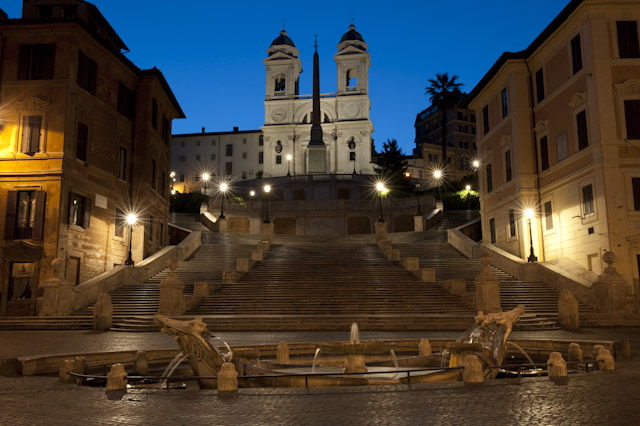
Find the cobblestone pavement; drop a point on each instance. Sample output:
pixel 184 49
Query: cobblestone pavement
pixel 597 398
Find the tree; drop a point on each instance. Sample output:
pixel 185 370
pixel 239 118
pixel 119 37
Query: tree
pixel 444 93
pixel 392 164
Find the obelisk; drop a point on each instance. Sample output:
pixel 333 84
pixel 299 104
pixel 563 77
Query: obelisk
pixel 317 150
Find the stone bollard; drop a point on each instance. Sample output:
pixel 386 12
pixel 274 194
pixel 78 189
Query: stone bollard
pixel 264 246
pixel 201 289
pixel 243 264
pixel 426 275
pixel 141 364
pixel 80 365
pixel 424 348
pixel 411 263
pixel 622 348
pixel 171 292
pixel 595 350
pixel 556 365
pixel 381 231
pixel 612 291
pixel 257 255
pixel 455 286
pixel 418 224
pixel 574 353
pixel 385 245
pixel 266 232
pixel 117 378
pixel 227 378
pixel 230 276
pixel 392 254
pixel 487 289
pixel 568 310
pixel 283 352
pixel 604 360
pixel 472 372
pixel 103 313
pixel 65 369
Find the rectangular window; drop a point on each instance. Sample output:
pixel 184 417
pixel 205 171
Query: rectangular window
pixel 512 223
pixel 635 185
pixel 36 61
pixel 260 157
pixel 197 157
pixel 588 207
pixel 628 46
pixel 82 140
pixel 548 216
pixel 153 174
pixel 228 168
pixel 126 101
pixel 544 153
pixel 213 157
pixel 21 215
pixel 278 159
pixel 69 11
pixel 492 230
pixel 505 104
pixel 507 162
pixel 154 114
pixel 150 235
pixel 489 178
pixel 583 136
pixel 213 143
pixel 485 119
pixel 182 158
pixel 45 11
pixel 181 177
pixel 122 164
pixel 31 134
pixel 632 118
pixel 87 73
pixel 119 224
pixel 79 210
pixel 244 155
pixel 352 156
pixel 229 150
pixel 576 54
pixel 562 146
pixel 540 85
pixel 261 140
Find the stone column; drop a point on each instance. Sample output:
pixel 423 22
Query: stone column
pixel 171 292
pixel 487 287
pixel 568 310
pixel 612 292
pixel 381 231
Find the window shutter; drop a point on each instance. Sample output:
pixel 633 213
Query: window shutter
pixel 70 206
pixel 87 213
pixel 23 62
pixel 10 216
pixel 38 224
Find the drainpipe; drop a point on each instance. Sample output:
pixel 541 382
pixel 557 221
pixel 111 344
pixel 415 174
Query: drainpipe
pixel 535 153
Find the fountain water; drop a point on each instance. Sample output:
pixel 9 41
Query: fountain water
pixel 315 359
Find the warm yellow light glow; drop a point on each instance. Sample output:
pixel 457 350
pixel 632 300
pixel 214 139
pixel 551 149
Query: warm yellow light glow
pixel 468 187
pixel 173 192
pixel 132 219
pixel 407 174
pixel 289 157
pixel 437 174
pixel 172 174
pixel 528 213
pixel 380 187
pixel 224 187
pixel 267 188
pixel 252 193
pixel 476 163
pixel 205 176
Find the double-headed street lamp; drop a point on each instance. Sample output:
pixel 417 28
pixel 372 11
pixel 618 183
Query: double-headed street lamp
pixel 528 213
pixel 132 219
pixel 223 189
pixel 381 189
pixel 267 190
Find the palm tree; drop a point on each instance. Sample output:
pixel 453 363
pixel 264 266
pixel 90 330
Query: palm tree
pixel 444 93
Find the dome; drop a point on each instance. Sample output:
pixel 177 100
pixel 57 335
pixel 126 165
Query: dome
pixel 283 39
pixel 352 34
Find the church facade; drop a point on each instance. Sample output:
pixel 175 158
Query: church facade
pixel 344 115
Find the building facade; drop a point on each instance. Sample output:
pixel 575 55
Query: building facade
pixel 559 133
pixel 84 141
pixel 344 115
pixel 461 141
pixel 225 156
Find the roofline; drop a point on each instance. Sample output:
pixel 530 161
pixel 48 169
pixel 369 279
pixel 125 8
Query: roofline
pixel 216 133
pixel 106 23
pixel 163 82
pixel 523 54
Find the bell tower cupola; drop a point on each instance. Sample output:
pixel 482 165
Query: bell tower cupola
pixel 283 68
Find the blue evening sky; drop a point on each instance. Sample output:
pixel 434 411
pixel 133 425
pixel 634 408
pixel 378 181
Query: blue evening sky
pixel 211 52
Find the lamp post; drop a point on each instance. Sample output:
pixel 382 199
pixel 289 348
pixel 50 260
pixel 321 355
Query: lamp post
pixel 205 179
pixel 468 188
pixel 437 175
pixel 223 189
pixel 289 158
pixel 529 215
pixel 131 221
pixel 267 190
pixel 380 188
pixel 476 164
pixel 252 194
pixel 419 193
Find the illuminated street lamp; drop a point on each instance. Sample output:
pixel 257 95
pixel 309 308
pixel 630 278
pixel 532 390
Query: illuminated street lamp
pixel 528 213
pixel 289 158
pixel 223 189
pixel 267 190
pixel 468 188
pixel 205 179
pixel 476 164
pixel 437 175
pixel 253 194
pixel 381 189
pixel 132 219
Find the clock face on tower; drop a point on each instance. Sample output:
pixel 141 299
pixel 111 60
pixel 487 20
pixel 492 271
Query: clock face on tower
pixel 278 114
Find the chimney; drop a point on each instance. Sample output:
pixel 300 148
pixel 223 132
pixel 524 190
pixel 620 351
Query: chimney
pixel 235 129
pixel 202 129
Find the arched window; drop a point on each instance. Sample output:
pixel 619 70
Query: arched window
pixel 280 84
pixel 352 80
